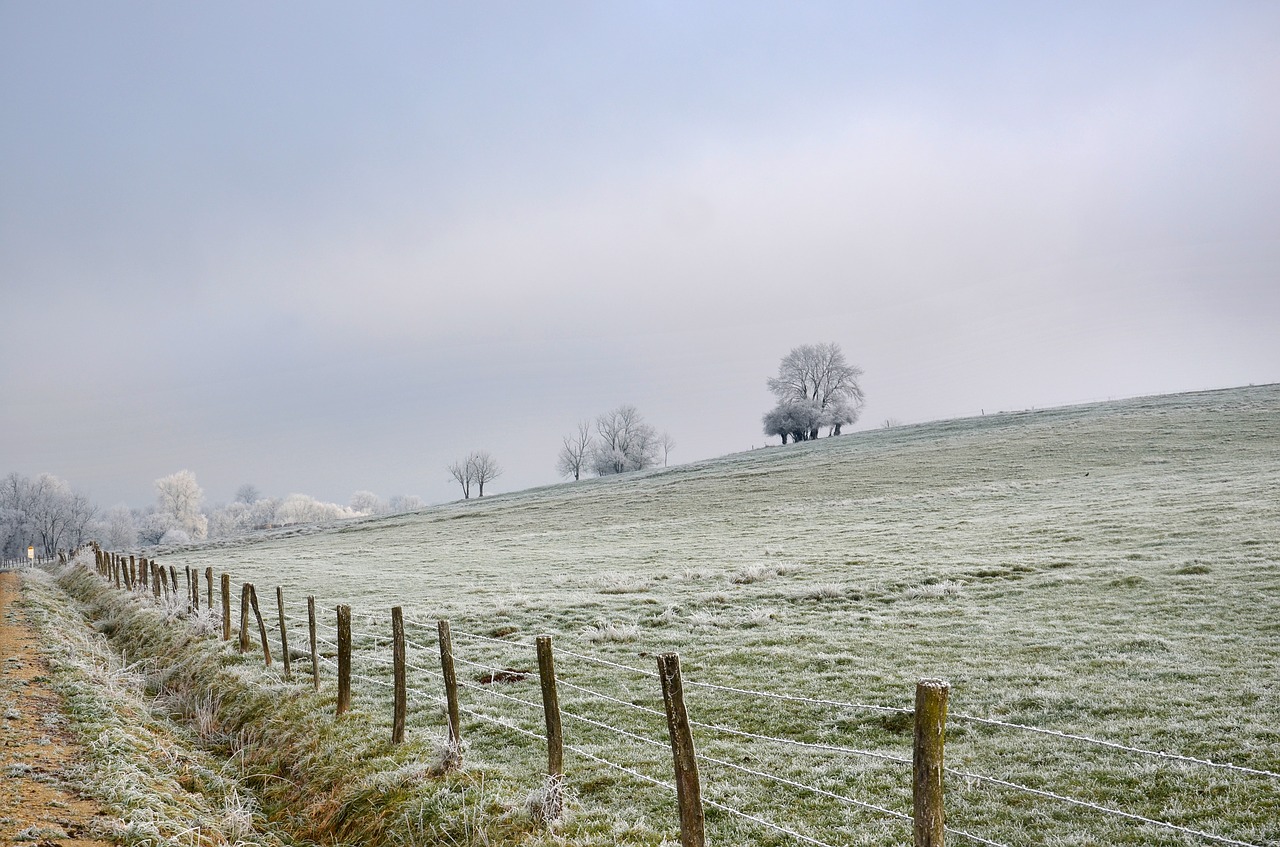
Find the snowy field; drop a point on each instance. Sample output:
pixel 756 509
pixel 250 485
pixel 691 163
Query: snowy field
pixel 1110 570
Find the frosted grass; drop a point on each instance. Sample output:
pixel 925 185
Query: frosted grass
pixel 1109 570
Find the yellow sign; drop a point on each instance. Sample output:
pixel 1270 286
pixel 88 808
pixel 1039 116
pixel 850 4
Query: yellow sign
pixel 31 552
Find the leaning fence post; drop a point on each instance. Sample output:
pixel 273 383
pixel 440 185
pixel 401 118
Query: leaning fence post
pixel 555 736
pixel 173 578
pixel 244 617
pixel 315 655
pixel 926 769
pixel 450 694
pixel 284 637
pixel 397 662
pixel 344 658
pixel 226 606
pixel 688 790
pixel 262 627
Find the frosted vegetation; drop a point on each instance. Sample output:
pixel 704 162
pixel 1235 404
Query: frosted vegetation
pixel 1109 570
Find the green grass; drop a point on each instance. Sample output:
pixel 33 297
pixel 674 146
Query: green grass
pixel 1109 570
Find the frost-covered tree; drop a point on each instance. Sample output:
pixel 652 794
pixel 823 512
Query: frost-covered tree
pixel 178 498
pixel 623 442
pixel 794 419
pixel 817 374
pixel 44 511
pixel 119 530
pixel 248 494
pixel 303 508
pixel 401 503
pixel 575 452
pixel 368 503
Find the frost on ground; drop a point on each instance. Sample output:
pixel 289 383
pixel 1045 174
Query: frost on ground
pixel 1110 570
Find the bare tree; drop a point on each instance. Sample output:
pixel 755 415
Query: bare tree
pixel 248 494
pixel 575 452
pixel 477 469
pixel 43 511
pixel 624 442
pixel 461 472
pixel 820 374
pixel 667 444
pixel 484 468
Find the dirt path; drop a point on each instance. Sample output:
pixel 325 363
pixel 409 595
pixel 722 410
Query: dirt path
pixel 34 808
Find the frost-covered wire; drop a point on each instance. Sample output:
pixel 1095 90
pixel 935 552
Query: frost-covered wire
pixel 1098 808
pixel 768 824
pixel 561 651
pixel 490 639
pixel 829 748
pixel 502 723
pixel 635 773
pixel 821 791
pixel 796 698
pixel 1114 745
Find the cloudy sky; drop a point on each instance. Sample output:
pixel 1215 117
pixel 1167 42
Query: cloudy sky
pixel 324 247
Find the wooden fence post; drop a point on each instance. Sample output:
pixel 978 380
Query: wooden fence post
pixel 344 658
pixel 164 579
pixel 688 789
pixel 193 587
pixel 554 803
pixel 244 617
pixel 115 568
pixel 155 578
pixel 315 655
pixel 284 636
pixel 262 626
pixel 133 573
pixel 226 606
pixel 173 579
pixel 926 767
pixel 450 694
pixel 208 578
pixel 397 662
pixel 187 569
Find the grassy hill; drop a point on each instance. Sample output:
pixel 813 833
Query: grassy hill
pixel 1110 570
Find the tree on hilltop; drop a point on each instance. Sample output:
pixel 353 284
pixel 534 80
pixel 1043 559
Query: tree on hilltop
pixel 815 387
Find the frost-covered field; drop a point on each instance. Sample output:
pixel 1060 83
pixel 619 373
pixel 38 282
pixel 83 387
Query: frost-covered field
pixel 1110 570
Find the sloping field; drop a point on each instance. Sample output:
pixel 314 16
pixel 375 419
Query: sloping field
pixel 1110 570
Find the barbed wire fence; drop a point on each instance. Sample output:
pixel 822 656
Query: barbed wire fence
pixel 615 725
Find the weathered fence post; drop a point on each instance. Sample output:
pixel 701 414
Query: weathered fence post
pixel 193 588
pixel 688 789
pixel 173 579
pixel 155 578
pixel 926 766
pixel 133 572
pixel 187 570
pixel 226 606
pixel 244 617
pixel 115 568
pixel 397 662
pixel 344 658
pixel 164 579
pixel 450 694
pixel 315 655
pixel 284 636
pixel 208 578
pixel 145 572
pixel 554 803
pixel 262 626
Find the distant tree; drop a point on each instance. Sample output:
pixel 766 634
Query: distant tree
pixel 44 511
pixel 478 468
pixel 667 444
pixel 119 531
pixel 368 503
pixel 890 423
pixel 484 468
pixel 461 473
pixel 401 503
pixel 575 452
pixel 178 499
pixel 795 419
pixel 818 374
pixel 623 442
pixel 303 508
pixel 248 494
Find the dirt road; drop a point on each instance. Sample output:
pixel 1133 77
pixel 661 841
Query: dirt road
pixel 34 808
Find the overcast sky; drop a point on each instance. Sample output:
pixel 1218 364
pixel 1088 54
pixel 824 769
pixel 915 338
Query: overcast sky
pixel 324 247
